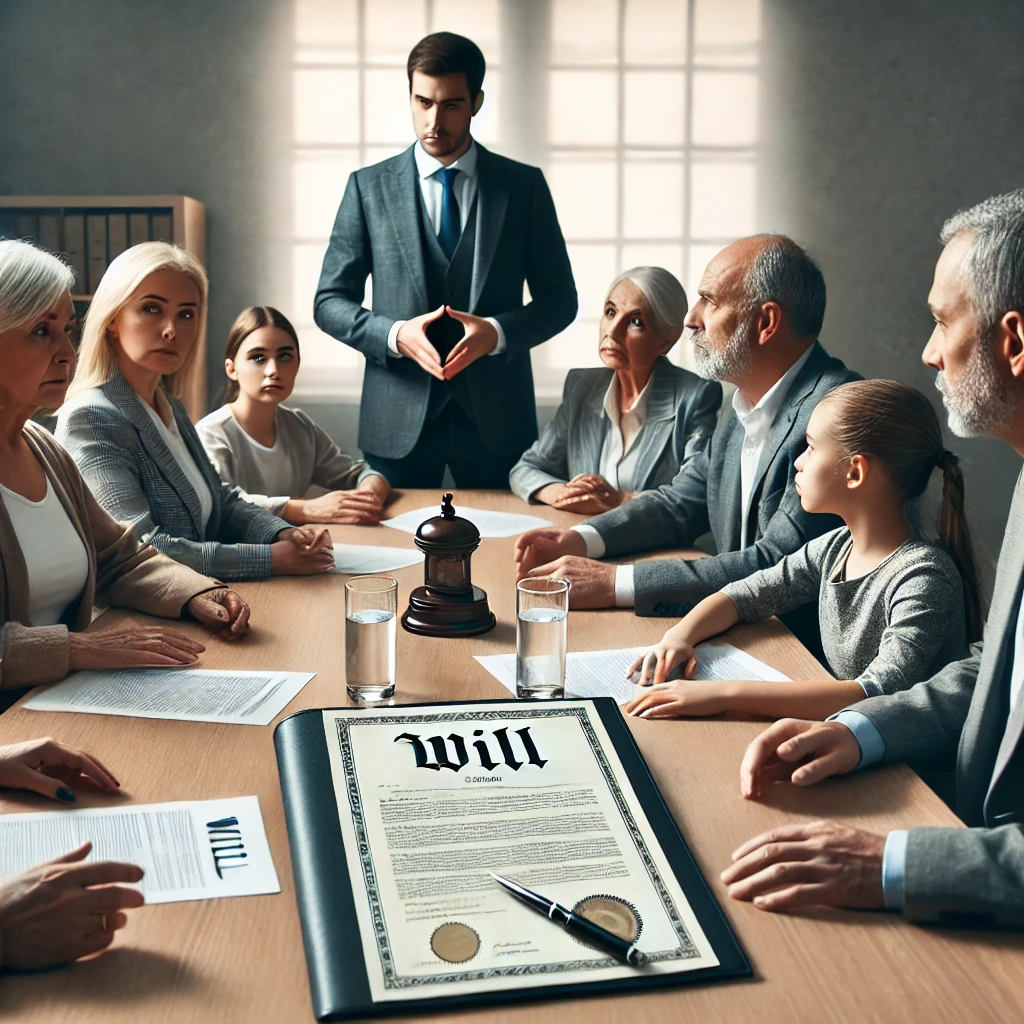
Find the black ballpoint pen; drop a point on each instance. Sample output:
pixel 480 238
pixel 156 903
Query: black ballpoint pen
pixel 621 949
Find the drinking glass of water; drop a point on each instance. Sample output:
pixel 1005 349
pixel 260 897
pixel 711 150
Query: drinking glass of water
pixel 371 606
pixel 542 610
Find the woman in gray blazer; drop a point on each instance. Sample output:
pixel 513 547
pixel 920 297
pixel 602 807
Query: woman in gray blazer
pixel 134 443
pixel 629 426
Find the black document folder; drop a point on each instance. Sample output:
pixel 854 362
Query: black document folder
pixel 334 953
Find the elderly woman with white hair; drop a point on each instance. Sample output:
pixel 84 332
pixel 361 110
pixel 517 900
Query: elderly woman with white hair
pixel 129 433
pixel 60 552
pixel 631 425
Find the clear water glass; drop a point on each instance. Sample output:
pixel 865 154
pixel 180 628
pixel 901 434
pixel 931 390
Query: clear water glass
pixel 542 612
pixel 371 614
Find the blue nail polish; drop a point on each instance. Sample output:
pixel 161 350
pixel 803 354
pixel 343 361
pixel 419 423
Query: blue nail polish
pixel 66 795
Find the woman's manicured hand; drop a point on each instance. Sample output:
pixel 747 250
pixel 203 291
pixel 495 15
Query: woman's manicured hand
pixel 301 552
pixel 48 767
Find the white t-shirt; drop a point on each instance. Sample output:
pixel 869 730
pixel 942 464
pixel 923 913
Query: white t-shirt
pixel 54 554
pixel 171 437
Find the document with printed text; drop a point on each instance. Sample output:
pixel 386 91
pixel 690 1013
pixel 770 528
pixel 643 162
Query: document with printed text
pixel 187 695
pixel 603 673
pixel 432 800
pixel 490 524
pixel 189 850
pixel 355 559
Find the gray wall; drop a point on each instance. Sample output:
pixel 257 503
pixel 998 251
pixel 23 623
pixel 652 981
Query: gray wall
pixel 879 119
pixel 128 97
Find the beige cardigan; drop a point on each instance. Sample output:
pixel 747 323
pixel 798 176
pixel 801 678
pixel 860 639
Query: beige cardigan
pixel 122 573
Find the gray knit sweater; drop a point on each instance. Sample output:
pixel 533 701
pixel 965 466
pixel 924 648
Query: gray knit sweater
pixel 890 629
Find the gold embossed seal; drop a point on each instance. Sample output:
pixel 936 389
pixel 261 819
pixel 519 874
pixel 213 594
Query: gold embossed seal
pixel 454 942
pixel 613 914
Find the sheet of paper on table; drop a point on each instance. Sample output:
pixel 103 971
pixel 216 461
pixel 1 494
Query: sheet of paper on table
pixel 557 812
pixel 189 850
pixel 490 524
pixel 187 695
pixel 354 559
pixel 603 673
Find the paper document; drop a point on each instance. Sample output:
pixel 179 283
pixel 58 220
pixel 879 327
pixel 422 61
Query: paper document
pixel 431 800
pixel 603 673
pixel 490 524
pixel 354 559
pixel 187 695
pixel 190 850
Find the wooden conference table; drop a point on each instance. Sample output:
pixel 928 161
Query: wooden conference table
pixel 242 959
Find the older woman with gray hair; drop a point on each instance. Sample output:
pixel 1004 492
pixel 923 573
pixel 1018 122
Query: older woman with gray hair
pixel 629 426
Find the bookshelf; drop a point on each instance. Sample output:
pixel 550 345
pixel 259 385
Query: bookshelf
pixel 89 231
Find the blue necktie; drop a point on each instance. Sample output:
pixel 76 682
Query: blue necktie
pixel 451 226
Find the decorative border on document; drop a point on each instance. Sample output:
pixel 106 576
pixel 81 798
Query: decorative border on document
pixel 686 949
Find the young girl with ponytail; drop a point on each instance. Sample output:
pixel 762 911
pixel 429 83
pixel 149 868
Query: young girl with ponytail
pixel 893 608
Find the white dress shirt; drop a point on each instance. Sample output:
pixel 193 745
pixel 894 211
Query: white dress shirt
pixel 432 191
pixel 171 437
pixel 618 453
pixel 756 422
pixel 54 554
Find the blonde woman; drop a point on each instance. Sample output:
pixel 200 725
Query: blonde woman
pixel 127 430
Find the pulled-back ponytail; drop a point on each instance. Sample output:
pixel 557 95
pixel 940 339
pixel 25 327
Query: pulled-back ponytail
pixel 896 424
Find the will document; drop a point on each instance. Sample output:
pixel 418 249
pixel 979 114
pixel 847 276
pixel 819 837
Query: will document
pixel 432 800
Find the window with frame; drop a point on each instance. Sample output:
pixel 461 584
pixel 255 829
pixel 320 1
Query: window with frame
pixel 642 113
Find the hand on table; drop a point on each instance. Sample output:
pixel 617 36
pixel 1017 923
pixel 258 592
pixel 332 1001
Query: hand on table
pixel 223 611
pixel 815 863
pixel 537 547
pixel 48 767
pixel 681 699
pixel 587 494
pixel 353 508
pixel 479 340
pixel 64 909
pixel 131 646
pixel 593 582
pixel 800 752
pixel 413 343
pixel 673 654
pixel 301 552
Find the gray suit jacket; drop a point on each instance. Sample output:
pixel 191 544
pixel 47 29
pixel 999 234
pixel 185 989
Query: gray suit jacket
pixel 682 411
pixel 132 474
pixel 705 494
pixel 972 876
pixel 377 231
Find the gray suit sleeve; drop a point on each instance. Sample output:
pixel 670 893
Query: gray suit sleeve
pixel 926 721
pixel 970 877
pixel 338 308
pixel 670 586
pixel 673 515
pixel 553 301
pixel 103 453
pixel 546 461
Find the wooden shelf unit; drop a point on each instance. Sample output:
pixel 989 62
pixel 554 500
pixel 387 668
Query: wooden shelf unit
pixel 169 218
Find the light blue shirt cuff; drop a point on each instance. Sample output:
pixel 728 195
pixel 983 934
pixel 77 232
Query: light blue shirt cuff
pixel 593 540
pixel 502 344
pixel 894 864
pixel 869 739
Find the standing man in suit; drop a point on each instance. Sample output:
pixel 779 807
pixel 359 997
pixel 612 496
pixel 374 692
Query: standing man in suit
pixel 973 709
pixel 756 322
pixel 450 233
